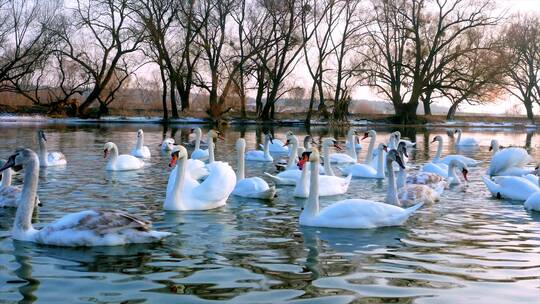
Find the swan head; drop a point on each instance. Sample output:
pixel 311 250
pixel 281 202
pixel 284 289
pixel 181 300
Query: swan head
pixel 393 156
pixel 370 133
pixel 382 147
pixel 177 154
pixel 461 166
pixel 215 134
pixel 291 138
pixel 19 159
pixel 269 137
pixel 311 156
pixel 402 149
pixel 308 141
pixel 457 131
pixel 197 131
pixel 107 148
pixel 493 145
pixel 140 133
pixel 331 142
pixel 41 135
pixel 437 138
pixel 240 144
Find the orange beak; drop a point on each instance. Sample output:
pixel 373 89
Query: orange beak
pixel 173 160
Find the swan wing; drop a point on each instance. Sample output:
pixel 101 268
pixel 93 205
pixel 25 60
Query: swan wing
pixel 200 154
pixel 341 158
pixel 218 185
pixel 333 185
pixel 359 170
pixel 508 158
pixel 128 162
pixel 510 187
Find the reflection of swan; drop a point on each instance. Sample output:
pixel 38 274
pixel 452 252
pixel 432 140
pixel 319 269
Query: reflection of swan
pixel 85 228
pixel 199 153
pixel 367 171
pixel 263 156
pixel 509 161
pixel 122 162
pixel 510 187
pixel 48 159
pixel 188 194
pixel 352 213
pixel 140 149
pixel 467 141
pixel 253 187
pixel 9 195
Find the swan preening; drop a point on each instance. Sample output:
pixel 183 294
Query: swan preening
pixel 48 159
pixel 85 228
pixel 122 162
pixel 140 150
pixel 350 213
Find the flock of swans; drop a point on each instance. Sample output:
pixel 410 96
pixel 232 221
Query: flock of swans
pixel 200 182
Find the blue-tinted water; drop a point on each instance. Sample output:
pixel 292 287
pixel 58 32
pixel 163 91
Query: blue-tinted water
pixel 468 247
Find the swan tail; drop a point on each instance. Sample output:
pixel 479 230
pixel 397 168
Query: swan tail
pixel 269 194
pixel 403 216
pixel 412 209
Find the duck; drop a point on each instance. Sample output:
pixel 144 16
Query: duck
pixel 276 146
pixel 99 227
pixel 508 162
pixel 122 162
pixel 329 185
pixel 199 153
pixel 367 171
pixel 510 187
pixel 253 187
pixel 140 150
pixel 409 192
pixel 533 201
pixel 48 159
pixel 350 156
pixel 261 156
pixel 10 195
pixel 466 141
pixel 349 213
pixel 187 193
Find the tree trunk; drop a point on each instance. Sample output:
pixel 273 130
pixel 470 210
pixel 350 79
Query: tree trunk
pixel 311 102
pixel 89 101
pixel 529 108
pixel 452 111
pixel 426 101
pixel 164 96
pixel 406 112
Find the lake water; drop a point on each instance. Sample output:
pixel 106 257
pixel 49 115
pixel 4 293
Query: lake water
pixel 466 248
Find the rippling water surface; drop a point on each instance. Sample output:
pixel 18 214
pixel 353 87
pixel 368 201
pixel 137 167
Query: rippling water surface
pixel 468 247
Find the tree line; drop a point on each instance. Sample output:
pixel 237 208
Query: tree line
pixel 411 52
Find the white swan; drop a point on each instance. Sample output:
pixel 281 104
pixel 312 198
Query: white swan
pixel 253 187
pixel 122 162
pixel 9 195
pixel 263 156
pixel 48 159
pixel 199 153
pixel 328 185
pixel 188 194
pixel 509 161
pixel 510 187
pixel 408 143
pixel 292 143
pixel 276 146
pixel 350 213
pixel 533 201
pixel 437 160
pixel 85 228
pixel 367 171
pixel 350 156
pixel 466 141
pixel 140 150
pixel 353 141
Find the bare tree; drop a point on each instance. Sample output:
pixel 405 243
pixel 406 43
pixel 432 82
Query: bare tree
pixel 521 50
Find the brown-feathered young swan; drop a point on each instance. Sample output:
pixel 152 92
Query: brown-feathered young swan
pixel 84 228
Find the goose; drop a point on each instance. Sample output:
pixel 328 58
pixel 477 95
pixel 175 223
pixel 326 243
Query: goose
pixel 350 156
pixel 350 213
pixel 510 161
pixel 262 156
pixel 510 187
pixel 353 141
pixel 48 159
pixel 441 162
pixel 328 185
pixel 9 195
pixel 253 187
pixel 467 141
pixel 84 228
pixel 276 146
pixel 122 162
pixel 199 153
pixel 187 193
pixel 167 144
pixel 367 171
pixel 533 201
pixel 140 150
pixel 411 193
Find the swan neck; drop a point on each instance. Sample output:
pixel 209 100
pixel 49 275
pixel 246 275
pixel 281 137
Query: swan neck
pixel 369 154
pixel 113 154
pixel 380 164
pixel 351 147
pixel 266 147
pixel 6 178
pixel 197 139
pixel 439 150
pixel 42 151
pixel 391 195
pixel 240 173
pixel 312 205
pixel 401 178
pixel 210 141
pixel 174 201
pixel 459 137
pixel 495 148
pixel 23 216
pixel 327 167
pixel 452 177
pixel 293 154
pixel 140 140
